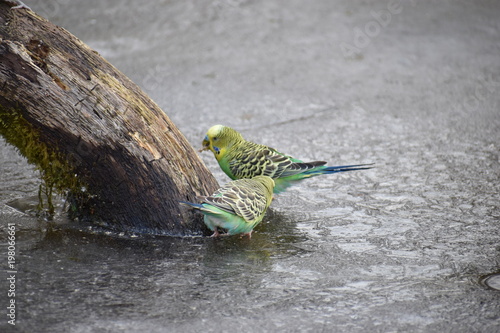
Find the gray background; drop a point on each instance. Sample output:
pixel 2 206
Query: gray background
pixel 397 248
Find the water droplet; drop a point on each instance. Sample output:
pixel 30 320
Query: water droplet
pixel 491 280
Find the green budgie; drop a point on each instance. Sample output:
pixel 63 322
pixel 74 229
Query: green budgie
pixel 239 159
pixel 238 206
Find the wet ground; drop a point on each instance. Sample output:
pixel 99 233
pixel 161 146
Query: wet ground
pixel 411 86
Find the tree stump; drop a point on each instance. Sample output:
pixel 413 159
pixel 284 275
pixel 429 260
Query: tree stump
pixel 93 133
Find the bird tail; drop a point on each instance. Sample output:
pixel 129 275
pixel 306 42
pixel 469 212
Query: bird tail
pixel 340 168
pixel 200 207
pixel 191 204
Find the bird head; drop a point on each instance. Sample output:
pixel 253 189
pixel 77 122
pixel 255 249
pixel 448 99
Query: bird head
pixel 219 139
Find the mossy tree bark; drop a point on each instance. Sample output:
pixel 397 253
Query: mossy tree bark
pixel 93 133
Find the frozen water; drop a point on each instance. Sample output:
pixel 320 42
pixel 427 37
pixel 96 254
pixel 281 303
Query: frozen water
pixel 401 247
pixel 492 281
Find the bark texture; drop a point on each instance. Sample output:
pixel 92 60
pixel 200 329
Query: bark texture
pixel 133 164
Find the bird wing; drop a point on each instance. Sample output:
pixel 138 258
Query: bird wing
pixel 243 197
pixel 255 160
pixel 301 167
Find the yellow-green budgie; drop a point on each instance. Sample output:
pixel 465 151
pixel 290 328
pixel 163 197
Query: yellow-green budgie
pixel 240 158
pixel 238 206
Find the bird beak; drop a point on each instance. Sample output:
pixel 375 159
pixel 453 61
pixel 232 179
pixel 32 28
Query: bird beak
pixel 206 145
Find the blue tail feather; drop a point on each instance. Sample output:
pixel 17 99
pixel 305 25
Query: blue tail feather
pixel 342 168
pixel 281 184
pixel 206 209
pixel 194 205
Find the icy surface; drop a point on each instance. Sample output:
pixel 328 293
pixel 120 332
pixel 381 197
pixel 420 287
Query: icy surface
pixel 398 248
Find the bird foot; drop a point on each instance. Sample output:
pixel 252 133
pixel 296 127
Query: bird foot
pixel 217 234
pixel 249 234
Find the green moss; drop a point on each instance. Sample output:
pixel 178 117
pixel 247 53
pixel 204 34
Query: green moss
pixel 58 176
pixel 140 107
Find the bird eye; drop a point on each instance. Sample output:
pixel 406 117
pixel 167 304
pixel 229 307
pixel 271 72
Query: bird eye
pixel 215 138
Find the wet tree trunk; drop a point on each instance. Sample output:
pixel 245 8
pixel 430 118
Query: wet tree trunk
pixel 93 133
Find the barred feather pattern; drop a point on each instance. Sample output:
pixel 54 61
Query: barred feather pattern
pixel 247 198
pixel 248 159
